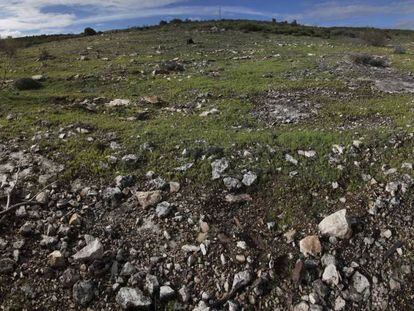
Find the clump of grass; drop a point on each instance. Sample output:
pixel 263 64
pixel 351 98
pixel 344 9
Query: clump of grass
pixel 374 38
pixel 369 60
pixel 45 55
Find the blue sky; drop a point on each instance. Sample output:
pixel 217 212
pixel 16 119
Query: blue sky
pixel 27 17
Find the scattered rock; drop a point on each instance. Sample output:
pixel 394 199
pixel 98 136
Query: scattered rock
pixel 310 245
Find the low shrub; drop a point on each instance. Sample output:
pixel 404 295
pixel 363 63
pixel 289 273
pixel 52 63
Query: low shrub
pixel 27 84
pixel 369 60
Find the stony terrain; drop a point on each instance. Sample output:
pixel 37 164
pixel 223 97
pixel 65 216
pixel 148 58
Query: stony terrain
pixel 246 171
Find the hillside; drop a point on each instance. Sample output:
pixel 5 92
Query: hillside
pixel 208 166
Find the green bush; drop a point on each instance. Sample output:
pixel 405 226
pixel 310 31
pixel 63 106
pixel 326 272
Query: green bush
pixel 89 31
pixel 27 84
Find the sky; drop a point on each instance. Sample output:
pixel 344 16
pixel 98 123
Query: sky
pixel 33 17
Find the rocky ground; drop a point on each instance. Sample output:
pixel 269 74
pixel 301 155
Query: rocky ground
pixel 213 194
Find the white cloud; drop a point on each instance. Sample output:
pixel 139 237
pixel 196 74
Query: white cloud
pixel 29 16
pixel 342 10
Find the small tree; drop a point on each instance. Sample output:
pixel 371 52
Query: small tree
pixel 8 51
pixel 89 31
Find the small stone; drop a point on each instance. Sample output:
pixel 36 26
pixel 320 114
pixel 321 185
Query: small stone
pixel 231 183
pixel 130 159
pixel 240 198
pixel 240 258
pixel 340 304
pixel 328 259
pixel 75 220
pixel 249 179
pixel 394 285
pixel 174 187
pixel 241 280
pixel 129 298
pixel 149 198
pixel 56 259
pixel 290 236
pixel 83 292
pixel 218 167
pixel 118 103
pixel 42 197
pixel 291 159
pixel 310 245
pixel 386 234
pixel 360 282
pixel 302 306
pixel 93 250
pixel 184 294
pixel 163 209
pixel 204 227
pixel 336 225
pixel 331 275
pixel 128 269
pixel 166 293
pixel 48 241
pixel 151 284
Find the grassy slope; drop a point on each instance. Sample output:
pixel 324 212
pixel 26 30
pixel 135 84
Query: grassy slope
pixel 234 129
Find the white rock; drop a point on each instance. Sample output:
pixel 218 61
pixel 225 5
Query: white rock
pixel 310 245
pixel 340 304
pixel 360 282
pixel 129 298
pixel 149 198
pixel 166 292
pixel 331 275
pixel 336 225
pixel 56 259
pixel 93 250
pixel 291 159
pixel 118 103
pixel 249 179
pixel 218 167
pixel 241 279
pixel 302 306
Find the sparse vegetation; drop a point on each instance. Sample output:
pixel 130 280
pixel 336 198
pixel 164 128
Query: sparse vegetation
pixel 375 38
pixel 369 60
